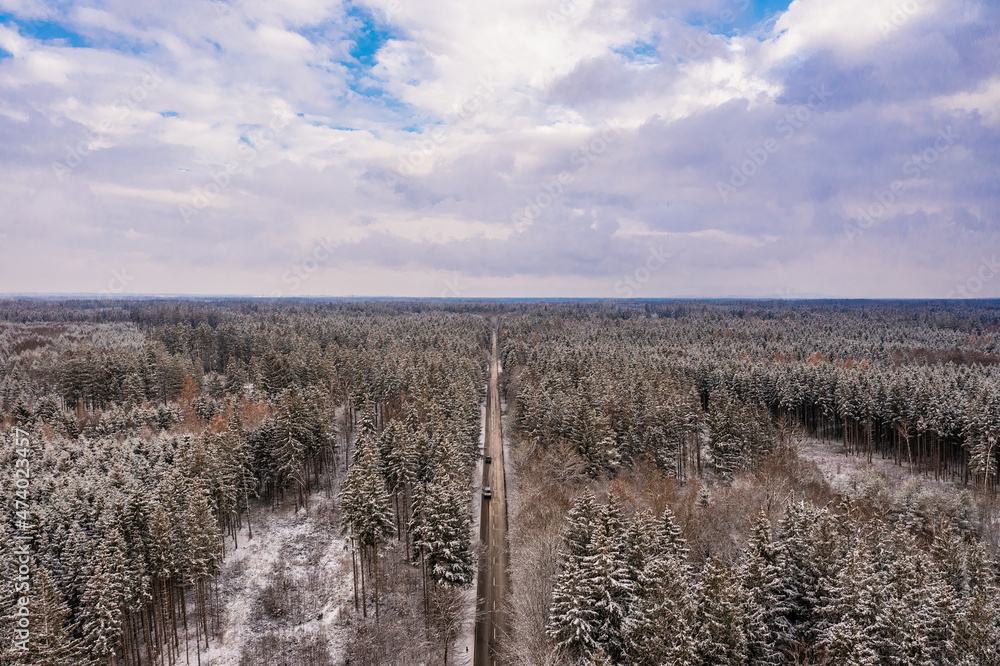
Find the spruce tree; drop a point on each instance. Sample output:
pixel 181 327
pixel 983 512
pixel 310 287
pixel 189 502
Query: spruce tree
pixel 719 638
pixel 51 642
pixel 761 582
pixel 659 627
pixel 606 571
pixel 573 620
pixel 366 513
pixel 852 611
pixel 104 599
pixel 444 533
pixel 580 528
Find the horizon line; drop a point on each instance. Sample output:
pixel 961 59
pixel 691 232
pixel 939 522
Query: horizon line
pixel 99 296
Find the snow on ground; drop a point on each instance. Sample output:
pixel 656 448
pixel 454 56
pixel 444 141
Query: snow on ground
pixel 466 642
pixel 292 581
pixel 462 653
pixel 841 470
pixel 851 475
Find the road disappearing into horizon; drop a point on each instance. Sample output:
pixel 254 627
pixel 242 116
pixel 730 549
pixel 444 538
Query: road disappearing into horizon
pixel 491 619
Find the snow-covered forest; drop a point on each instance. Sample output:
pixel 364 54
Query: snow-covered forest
pixel 687 516
pixel 164 437
pixel 295 482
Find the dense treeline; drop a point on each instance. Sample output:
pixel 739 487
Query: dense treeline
pixel 156 437
pixel 909 382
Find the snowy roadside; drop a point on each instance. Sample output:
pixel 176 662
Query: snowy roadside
pixel 466 641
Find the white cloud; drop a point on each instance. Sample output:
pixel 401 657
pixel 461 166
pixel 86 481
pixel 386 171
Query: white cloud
pixel 12 42
pixel 48 67
pixel 481 106
pixel 283 43
pixel 632 229
pixel 985 100
pixel 32 9
pixel 848 27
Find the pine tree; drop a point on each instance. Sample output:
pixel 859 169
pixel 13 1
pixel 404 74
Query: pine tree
pixel 573 621
pixel 599 658
pixel 444 533
pixel 593 592
pixel 580 528
pixel 851 612
pixel 640 543
pixel 659 628
pixel 719 620
pixel 607 570
pixel 925 604
pixel 804 550
pixel 292 438
pixel 738 433
pixel 9 653
pixel 760 580
pixel 366 514
pixel 202 548
pixel 977 625
pixel 163 567
pixel 670 537
pixel 51 643
pixel 104 599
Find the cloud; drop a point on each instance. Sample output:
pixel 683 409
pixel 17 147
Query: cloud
pixel 536 146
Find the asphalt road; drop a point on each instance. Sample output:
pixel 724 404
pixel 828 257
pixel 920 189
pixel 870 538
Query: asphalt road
pixel 491 620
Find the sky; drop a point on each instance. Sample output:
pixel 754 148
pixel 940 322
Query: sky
pixel 525 148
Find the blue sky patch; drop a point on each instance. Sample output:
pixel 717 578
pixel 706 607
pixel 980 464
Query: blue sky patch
pixel 764 9
pixel 323 123
pixel 45 31
pixel 738 16
pixel 374 93
pixel 639 51
pixel 368 37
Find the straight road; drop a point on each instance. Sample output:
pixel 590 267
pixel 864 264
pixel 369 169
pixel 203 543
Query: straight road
pixel 491 620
